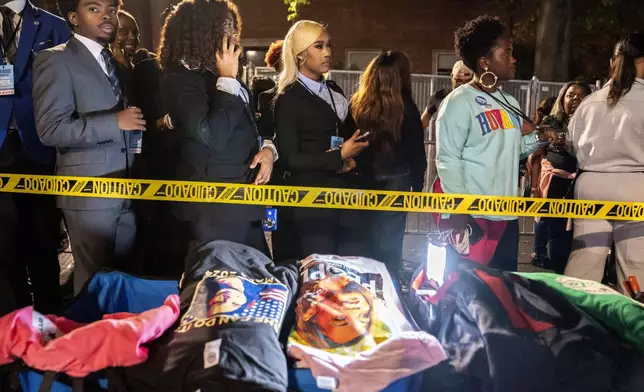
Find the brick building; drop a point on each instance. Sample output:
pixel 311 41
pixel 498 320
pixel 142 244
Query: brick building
pixel 359 28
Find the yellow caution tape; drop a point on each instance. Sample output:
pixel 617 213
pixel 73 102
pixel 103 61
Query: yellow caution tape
pixel 269 195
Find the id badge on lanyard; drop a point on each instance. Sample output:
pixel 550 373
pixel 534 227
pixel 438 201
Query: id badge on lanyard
pixel 7 82
pixel 336 142
pixel 7 86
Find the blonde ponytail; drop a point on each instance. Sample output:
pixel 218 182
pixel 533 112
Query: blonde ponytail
pixel 299 37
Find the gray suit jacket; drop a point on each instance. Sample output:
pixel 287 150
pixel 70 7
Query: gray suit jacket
pixel 75 109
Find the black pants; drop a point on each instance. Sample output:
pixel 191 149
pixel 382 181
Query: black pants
pixel 551 233
pixel 29 235
pixel 284 239
pixel 385 231
pixel 506 256
pixel 195 224
pixel 327 231
pixel 154 221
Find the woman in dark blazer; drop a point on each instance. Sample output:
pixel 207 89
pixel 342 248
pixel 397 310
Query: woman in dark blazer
pixel 216 134
pixel 396 159
pixel 316 145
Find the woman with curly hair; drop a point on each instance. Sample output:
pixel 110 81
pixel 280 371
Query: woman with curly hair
pixel 480 131
pixel 209 108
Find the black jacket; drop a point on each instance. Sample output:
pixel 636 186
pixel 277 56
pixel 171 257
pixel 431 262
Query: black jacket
pixel 159 156
pixel 216 130
pixel 266 117
pixel 488 320
pixel 304 126
pixel 146 76
pixel 216 137
pixel 410 157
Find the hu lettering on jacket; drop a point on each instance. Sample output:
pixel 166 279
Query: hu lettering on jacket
pixel 497 120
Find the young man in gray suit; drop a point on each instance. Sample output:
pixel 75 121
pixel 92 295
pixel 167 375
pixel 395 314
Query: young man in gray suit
pixel 80 106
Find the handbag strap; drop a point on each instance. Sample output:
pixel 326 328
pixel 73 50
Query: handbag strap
pixel 78 385
pixel 48 379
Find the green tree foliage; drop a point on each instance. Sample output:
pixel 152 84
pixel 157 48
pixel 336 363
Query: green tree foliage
pixel 596 26
pixel 294 6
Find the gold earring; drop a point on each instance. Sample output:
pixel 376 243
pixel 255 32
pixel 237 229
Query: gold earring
pixel 496 79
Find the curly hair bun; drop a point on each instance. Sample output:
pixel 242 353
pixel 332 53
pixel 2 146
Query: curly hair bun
pixel 477 38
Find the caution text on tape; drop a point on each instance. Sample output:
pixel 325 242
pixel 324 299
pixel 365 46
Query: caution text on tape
pixel 268 195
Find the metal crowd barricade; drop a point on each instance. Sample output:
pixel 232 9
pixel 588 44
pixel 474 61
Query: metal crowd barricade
pixel 529 93
pixel 419 223
pixel 347 80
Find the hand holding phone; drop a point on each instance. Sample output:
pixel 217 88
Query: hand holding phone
pixel 352 147
pixel 363 136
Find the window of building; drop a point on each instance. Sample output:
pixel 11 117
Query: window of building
pixel 254 50
pixel 444 61
pixel 255 56
pixel 358 59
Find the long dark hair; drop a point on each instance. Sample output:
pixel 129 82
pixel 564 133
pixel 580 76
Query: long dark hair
pixel 378 106
pixel 623 70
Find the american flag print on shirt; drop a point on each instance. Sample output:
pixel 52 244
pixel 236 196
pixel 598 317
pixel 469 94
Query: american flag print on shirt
pixel 231 298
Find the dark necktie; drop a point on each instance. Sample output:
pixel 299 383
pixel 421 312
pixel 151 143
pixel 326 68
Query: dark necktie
pixel 110 65
pixel 8 37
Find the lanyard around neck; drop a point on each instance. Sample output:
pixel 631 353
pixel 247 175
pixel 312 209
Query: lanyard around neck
pixel 507 105
pixel 335 110
pixel 7 44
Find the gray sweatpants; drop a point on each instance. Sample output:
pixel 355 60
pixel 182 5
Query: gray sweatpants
pixel 593 238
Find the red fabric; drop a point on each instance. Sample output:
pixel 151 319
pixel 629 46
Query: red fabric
pixel 517 316
pixel 483 251
pixel 115 341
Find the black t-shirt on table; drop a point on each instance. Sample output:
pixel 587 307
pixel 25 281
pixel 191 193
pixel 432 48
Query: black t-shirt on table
pixel 234 301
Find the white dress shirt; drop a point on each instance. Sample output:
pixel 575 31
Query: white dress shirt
pixel 17 6
pixel 95 49
pixel 335 100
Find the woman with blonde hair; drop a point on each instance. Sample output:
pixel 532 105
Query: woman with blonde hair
pixel 316 143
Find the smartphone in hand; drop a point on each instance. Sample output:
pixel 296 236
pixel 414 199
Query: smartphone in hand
pixel 363 137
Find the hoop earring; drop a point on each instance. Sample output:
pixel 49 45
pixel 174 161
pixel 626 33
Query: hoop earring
pixel 496 79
